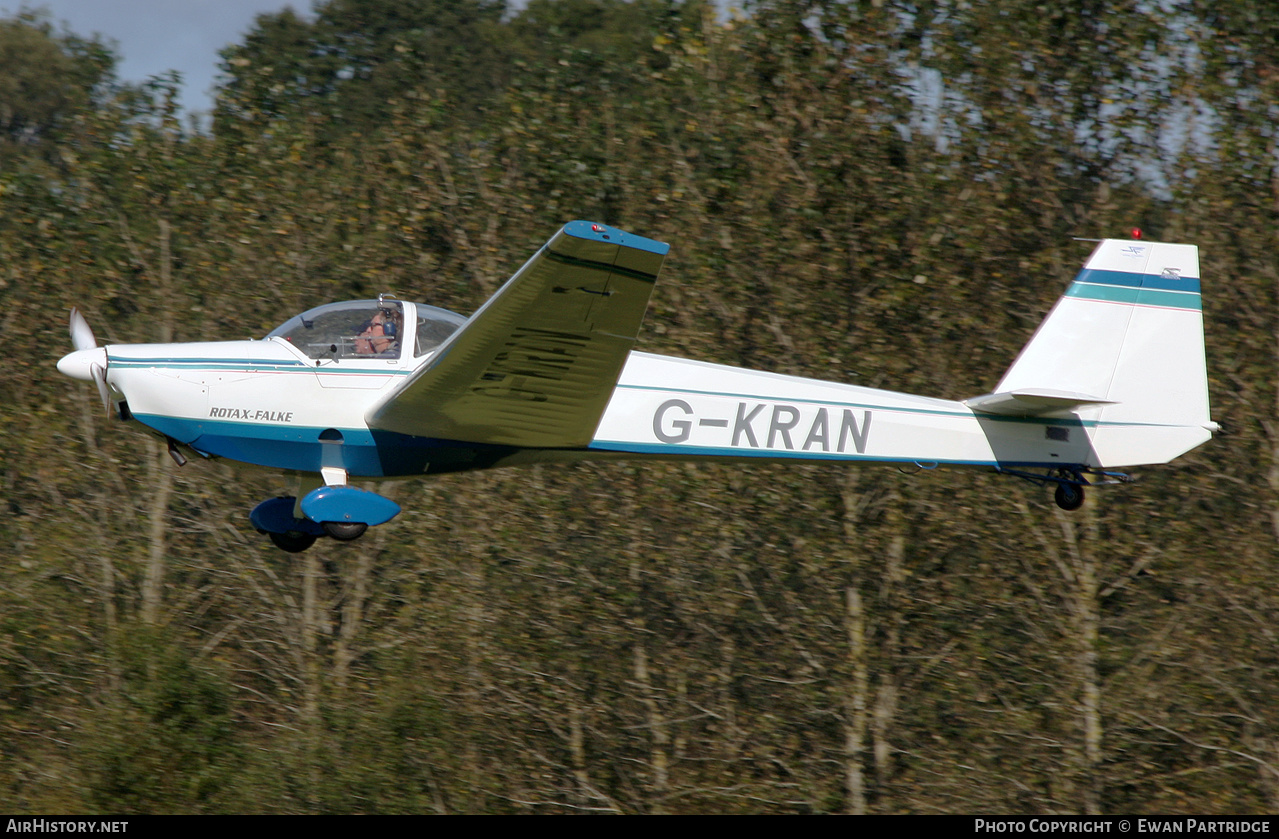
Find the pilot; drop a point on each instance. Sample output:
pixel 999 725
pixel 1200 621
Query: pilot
pixel 381 335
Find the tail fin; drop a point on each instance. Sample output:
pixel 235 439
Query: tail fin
pixel 1125 344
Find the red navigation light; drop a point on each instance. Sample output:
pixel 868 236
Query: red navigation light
pixel 598 228
pixel 1136 232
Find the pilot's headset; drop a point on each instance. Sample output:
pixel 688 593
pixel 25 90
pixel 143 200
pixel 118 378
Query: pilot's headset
pixel 390 318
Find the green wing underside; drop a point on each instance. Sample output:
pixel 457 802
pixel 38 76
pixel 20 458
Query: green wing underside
pixel 536 365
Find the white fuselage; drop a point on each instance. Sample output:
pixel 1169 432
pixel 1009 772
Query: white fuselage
pixel 265 402
pixel 676 407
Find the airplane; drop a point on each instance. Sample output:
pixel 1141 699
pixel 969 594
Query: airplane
pixel 545 372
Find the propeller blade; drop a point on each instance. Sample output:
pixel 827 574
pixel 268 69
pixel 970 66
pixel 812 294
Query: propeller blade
pixel 81 335
pixel 100 379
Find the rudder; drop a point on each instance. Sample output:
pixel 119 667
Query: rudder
pixel 1128 333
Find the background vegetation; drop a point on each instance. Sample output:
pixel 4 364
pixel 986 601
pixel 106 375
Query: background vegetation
pixel 873 191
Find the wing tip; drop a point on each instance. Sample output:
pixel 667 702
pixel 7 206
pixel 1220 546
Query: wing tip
pixel 593 231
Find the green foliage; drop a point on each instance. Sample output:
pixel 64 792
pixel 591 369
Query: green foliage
pixel 164 740
pixel 46 79
pixel 357 57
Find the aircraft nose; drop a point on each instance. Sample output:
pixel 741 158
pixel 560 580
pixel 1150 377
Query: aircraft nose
pixel 79 364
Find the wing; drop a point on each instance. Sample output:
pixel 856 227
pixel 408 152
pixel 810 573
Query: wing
pixel 536 365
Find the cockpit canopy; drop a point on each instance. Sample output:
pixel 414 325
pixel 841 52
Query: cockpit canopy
pixel 368 329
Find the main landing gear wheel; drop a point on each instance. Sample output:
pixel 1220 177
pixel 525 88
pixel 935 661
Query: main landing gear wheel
pixel 293 541
pixel 344 531
pixel 1069 496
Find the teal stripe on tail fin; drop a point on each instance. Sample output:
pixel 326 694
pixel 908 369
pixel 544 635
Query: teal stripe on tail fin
pixel 1128 334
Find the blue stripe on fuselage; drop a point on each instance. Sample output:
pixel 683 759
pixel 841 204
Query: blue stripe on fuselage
pixel 362 452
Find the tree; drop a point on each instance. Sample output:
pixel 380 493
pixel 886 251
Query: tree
pixel 877 192
pixel 46 78
pixel 351 64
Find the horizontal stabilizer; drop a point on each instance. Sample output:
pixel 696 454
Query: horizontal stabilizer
pixel 1029 402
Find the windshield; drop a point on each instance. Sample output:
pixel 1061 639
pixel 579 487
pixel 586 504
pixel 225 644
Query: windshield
pixel 366 329
pixel 433 326
pixel 356 329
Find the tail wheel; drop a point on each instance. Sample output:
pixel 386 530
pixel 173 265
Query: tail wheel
pixel 1069 496
pixel 293 541
pixel 344 531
